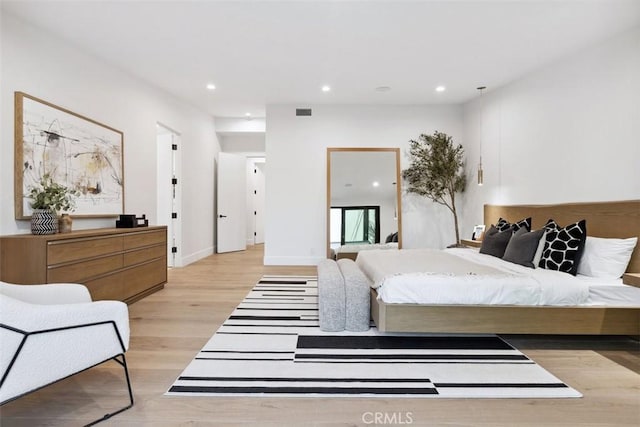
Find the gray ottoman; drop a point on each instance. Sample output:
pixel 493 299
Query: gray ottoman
pixel 358 299
pixel 331 297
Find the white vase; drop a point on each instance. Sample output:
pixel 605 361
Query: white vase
pixel 44 221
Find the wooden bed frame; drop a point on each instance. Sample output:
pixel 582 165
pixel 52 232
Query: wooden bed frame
pixel 604 219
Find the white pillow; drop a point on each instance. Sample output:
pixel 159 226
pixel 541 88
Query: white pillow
pixel 606 258
pixel 538 254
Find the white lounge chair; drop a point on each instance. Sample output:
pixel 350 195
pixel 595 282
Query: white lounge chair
pixel 50 332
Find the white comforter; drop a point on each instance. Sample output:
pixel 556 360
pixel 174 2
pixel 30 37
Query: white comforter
pixel 464 276
pixel 366 247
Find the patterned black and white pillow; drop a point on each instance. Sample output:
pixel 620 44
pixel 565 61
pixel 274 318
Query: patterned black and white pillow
pixel 563 246
pixel 504 225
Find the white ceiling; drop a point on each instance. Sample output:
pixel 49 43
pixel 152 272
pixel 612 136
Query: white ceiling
pixel 276 52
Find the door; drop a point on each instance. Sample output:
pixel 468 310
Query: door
pixel 258 201
pixel 168 207
pixel 231 203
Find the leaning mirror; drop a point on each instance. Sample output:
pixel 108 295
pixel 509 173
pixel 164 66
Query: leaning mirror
pixel 363 200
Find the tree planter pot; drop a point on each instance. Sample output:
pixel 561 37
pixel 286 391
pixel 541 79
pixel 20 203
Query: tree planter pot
pixel 44 221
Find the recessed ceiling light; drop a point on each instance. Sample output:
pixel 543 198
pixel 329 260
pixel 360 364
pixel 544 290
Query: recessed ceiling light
pixel 326 88
pixel 383 89
pixel 211 86
pixel 247 116
pixel 440 88
pixel 376 183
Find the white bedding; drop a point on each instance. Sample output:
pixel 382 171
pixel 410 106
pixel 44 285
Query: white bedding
pixel 366 247
pixel 611 292
pixel 463 276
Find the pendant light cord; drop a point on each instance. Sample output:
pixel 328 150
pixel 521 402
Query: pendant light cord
pixel 480 171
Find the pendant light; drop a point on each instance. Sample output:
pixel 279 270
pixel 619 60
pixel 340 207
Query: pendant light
pixel 480 171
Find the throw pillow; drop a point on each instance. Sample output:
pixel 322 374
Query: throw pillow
pixel 522 247
pixel 538 255
pixel 504 225
pixel 606 258
pixel 563 246
pixel 495 242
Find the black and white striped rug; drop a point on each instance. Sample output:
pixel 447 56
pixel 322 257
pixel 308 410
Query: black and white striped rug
pixel 271 345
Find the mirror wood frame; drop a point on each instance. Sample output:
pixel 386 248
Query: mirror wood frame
pixel 331 150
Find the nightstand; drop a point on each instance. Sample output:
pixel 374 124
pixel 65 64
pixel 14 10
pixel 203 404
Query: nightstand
pixel 471 243
pixel 632 279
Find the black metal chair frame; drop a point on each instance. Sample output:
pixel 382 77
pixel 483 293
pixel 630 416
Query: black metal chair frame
pixel 119 358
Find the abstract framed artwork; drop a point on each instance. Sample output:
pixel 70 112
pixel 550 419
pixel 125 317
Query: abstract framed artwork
pixel 74 150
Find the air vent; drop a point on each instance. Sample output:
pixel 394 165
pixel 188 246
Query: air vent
pixel 303 111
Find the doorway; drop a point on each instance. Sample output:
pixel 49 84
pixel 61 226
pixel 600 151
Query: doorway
pixel 231 203
pixel 239 220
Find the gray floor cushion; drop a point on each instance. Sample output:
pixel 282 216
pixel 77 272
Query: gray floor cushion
pixel 357 292
pixel 331 297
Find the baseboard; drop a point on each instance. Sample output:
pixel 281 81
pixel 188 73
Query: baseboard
pixel 186 260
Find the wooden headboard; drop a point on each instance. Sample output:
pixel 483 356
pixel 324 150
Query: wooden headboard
pixel 619 219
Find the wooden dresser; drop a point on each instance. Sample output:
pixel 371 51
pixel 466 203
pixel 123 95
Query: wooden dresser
pixel 123 264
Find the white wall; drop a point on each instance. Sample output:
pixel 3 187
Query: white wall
pixel 240 125
pixel 51 69
pixel 570 132
pixel 296 172
pixel 250 143
pixel 4 143
pixel 239 135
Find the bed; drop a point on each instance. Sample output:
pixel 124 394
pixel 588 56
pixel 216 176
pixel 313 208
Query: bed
pixel 351 251
pixel 620 219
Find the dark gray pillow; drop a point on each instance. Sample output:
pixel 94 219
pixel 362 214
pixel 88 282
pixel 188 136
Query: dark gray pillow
pixel 495 242
pixel 522 247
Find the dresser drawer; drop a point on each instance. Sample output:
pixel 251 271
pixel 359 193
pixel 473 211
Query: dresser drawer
pixel 78 249
pixel 141 255
pixel 106 287
pixel 145 238
pixel 141 278
pixel 81 271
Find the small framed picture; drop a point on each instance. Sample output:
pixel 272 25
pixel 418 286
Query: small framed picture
pixel 478 232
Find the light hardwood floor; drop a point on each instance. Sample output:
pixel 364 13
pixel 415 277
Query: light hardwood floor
pixel 169 327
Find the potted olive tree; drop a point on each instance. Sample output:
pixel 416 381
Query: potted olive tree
pixel 437 171
pixel 47 199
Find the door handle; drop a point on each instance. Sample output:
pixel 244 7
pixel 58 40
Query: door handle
pixel 222 216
